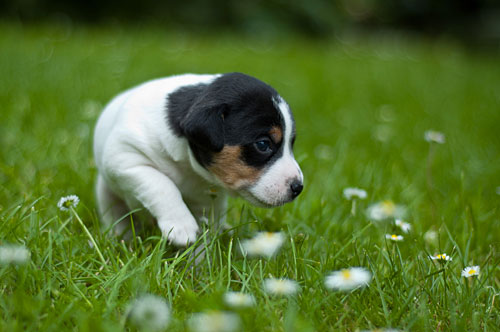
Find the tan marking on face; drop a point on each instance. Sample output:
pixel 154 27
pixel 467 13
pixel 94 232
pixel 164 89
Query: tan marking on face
pixel 231 170
pixel 276 134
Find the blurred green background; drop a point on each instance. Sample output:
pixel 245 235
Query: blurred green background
pixel 473 21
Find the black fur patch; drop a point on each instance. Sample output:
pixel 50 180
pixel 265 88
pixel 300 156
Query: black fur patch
pixel 179 102
pixel 235 109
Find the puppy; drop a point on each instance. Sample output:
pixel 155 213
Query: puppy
pixel 177 145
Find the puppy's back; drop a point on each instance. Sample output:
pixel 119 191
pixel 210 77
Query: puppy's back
pixel 130 107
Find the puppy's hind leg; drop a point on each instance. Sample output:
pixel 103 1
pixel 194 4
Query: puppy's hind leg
pixel 111 207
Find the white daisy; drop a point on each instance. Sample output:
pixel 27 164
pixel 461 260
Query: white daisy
pixel 394 237
pixel 324 152
pixel 65 203
pixel 431 236
pixel 405 227
pixel 14 254
pixel 149 312
pixel 212 192
pixel 281 286
pixel 204 219
pixel 350 193
pixel 347 279
pixel 91 109
pixel 263 244
pixel 470 271
pixel 239 300
pixel 434 136
pixel 441 257
pixel 385 209
pixel 214 321
pixel 383 132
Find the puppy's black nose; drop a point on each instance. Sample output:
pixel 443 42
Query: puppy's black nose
pixel 296 188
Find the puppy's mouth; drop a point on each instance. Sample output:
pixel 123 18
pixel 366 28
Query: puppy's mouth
pixel 261 203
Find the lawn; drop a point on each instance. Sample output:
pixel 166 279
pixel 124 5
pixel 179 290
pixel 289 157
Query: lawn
pixel 362 106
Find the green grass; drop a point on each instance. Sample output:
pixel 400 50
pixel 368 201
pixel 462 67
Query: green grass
pixel 361 106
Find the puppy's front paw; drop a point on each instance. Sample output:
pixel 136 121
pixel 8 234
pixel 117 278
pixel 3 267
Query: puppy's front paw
pixel 179 234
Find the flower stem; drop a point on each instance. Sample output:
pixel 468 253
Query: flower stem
pixel 429 179
pixel 89 235
pixel 353 207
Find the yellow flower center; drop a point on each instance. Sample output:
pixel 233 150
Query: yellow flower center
pixel 68 203
pixel 472 271
pixel 280 286
pixel 268 234
pixel 388 207
pixel 217 321
pixel 346 274
pixel 212 192
pixel 394 236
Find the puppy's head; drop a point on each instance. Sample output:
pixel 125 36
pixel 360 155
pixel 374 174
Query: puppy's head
pixel 243 132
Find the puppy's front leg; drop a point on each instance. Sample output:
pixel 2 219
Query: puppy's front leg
pixel 157 193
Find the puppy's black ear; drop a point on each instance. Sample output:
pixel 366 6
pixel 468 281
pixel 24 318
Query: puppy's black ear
pixel 204 126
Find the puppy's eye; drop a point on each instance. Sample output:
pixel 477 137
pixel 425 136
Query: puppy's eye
pixel 263 146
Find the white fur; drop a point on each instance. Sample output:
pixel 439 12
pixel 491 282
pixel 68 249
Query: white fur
pixel 142 163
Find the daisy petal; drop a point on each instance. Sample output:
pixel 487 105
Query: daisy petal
pixel 348 279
